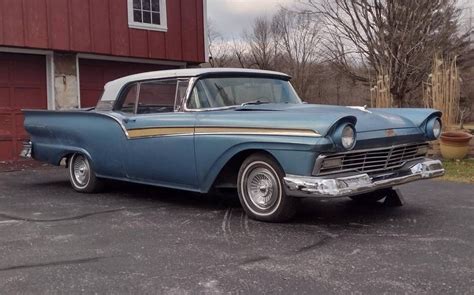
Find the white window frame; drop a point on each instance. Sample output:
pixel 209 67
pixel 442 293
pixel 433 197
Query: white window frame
pixel 144 26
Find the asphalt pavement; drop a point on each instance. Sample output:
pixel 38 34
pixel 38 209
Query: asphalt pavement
pixel 146 240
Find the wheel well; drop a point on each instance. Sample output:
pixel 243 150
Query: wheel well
pixel 227 177
pixel 66 158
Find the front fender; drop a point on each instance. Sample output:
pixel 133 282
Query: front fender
pixel 213 152
pixel 419 117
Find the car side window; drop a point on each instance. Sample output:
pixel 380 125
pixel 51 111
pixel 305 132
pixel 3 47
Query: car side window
pixel 157 96
pixel 129 99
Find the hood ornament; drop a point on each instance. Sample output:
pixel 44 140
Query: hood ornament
pixel 363 109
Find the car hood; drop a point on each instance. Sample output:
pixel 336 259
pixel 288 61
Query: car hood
pixel 320 118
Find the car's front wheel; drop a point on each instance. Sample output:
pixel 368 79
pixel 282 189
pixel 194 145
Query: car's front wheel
pixel 82 176
pixel 261 191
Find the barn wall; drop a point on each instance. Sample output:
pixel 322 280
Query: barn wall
pixel 101 27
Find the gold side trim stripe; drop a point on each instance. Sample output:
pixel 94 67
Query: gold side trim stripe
pixel 182 131
pixel 161 131
pixel 255 131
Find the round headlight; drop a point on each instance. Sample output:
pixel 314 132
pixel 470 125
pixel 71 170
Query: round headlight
pixel 433 128
pixel 437 128
pixel 348 137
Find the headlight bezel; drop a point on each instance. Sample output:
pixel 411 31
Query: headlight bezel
pixel 434 128
pixel 340 134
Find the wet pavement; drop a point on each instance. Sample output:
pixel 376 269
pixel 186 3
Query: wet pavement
pixel 140 239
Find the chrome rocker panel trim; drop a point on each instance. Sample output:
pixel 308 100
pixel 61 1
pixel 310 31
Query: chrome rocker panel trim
pixel 324 187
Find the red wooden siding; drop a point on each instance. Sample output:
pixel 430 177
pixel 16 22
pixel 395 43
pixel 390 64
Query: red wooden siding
pixel 13 26
pixel 22 85
pixel 96 73
pixel 174 35
pixel 58 24
pixel 101 27
pixel 36 32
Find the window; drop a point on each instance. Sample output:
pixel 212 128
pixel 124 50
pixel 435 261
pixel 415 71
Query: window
pixel 227 92
pixel 147 14
pixel 129 102
pixel 160 96
pixel 157 96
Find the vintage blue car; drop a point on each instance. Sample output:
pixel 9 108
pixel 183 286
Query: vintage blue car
pixel 200 129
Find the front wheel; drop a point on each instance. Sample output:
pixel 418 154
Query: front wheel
pixel 261 192
pixel 82 176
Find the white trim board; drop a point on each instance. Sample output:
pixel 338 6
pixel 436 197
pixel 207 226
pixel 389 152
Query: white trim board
pixel 180 64
pixel 25 50
pixel 78 79
pixel 50 82
pixel 206 33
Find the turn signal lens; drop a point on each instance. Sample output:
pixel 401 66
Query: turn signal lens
pixel 422 151
pixel 332 163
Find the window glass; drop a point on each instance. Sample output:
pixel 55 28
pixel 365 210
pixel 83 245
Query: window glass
pixel 130 99
pixel 147 11
pixel 157 96
pixel 223 92
pixel 181 93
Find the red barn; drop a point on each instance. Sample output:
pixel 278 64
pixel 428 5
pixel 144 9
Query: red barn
pixel 58 54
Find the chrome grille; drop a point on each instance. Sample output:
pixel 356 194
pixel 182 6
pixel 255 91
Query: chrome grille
pixel 371 160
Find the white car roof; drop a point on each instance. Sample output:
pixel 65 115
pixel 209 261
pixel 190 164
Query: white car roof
pixel 113 88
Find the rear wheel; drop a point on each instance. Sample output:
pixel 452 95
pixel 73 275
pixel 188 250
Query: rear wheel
pixel 82 176
pixel 261 192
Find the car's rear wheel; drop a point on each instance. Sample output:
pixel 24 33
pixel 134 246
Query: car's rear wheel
pixel 82 176
pixel 261 192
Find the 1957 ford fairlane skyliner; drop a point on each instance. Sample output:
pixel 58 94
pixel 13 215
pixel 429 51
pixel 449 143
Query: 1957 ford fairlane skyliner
pixel 199 129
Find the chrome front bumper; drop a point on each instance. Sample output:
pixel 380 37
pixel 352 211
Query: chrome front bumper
pixel 26 151
pixel 327 187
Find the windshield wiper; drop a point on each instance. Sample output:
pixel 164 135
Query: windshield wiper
pixel 254 102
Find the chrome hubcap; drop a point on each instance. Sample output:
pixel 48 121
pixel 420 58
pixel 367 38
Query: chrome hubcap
pixel 81 170
pixel 262 188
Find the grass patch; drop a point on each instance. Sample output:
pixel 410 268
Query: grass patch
pixel 459 170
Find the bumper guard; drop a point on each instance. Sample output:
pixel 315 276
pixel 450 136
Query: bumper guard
pixel 26 151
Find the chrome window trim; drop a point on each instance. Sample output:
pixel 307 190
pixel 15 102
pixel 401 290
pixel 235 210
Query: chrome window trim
pixel 176 107
pixel 192 83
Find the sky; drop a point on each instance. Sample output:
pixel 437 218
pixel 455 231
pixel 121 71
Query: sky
pixel 230 17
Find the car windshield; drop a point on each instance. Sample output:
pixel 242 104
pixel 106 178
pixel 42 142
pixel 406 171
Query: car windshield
pixel 236 91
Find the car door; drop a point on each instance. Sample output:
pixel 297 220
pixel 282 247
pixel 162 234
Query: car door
pixel 160 145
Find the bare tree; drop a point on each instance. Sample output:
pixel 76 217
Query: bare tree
pixel 297 38
pixel 261 43
pixel 219 48
pixel 398 36
pixel 240 51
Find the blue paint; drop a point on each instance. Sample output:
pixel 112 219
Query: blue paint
pixel 192 162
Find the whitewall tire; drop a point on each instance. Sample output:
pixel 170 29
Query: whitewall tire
pixel 261 190
pixel 82 176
